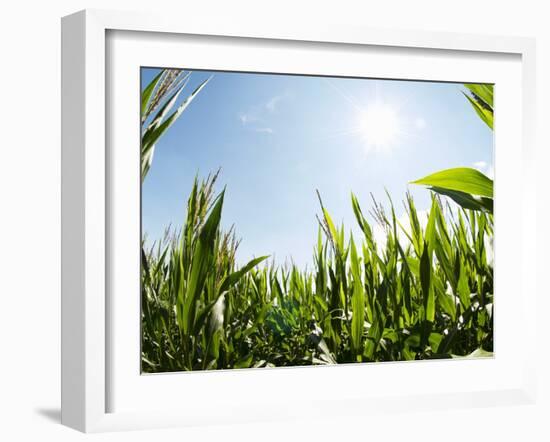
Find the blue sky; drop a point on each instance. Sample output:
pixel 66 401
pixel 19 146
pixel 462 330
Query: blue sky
pixel 278 138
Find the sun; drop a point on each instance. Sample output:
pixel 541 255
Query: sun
pixel 379 125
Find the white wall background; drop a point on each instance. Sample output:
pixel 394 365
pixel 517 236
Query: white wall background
pixel 30 215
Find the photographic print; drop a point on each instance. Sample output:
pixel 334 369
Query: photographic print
pixel 303 220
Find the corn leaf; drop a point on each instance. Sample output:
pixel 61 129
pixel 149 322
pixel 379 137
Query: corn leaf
pixel 461 179
pixel 467 201
pixel 483 91
pixel 148 92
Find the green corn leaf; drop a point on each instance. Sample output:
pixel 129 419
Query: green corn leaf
pixel 148 92
pixel 358 318
pixel 355 266
pixel 234 277
pixel 485 114
pixel 357 305
pixel 406 286
pixel 430 235
pixel 363 223
pixel 435 340
pixel 483 91
pixel 447 304
pixel 416 230
pixel 244 362
pixel 461 179
pixel 375 333
pixel 462 287
pixel 146 161
pixel 467 201
pixel 425 280
pixel 332 228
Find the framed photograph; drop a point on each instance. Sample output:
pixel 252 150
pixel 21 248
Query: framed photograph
pixel 262 222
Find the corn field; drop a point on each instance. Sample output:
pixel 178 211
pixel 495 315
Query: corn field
pixel 426 293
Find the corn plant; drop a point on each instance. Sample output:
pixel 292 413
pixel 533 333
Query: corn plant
pixel 184 283
pixel 157 100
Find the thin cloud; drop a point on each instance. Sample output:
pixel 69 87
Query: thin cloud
pixel 264 130
pixel 247 118
pixel 259 113
pixel 272 103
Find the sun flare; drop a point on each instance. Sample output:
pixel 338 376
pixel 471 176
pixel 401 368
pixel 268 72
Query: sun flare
pixel 379 125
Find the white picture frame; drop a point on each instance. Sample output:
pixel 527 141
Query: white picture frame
pixel 87 319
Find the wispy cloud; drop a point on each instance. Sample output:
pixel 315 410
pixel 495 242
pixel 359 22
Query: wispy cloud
pixel 256 118
pixel 247 118
pixel 264 130
pixel 272 103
